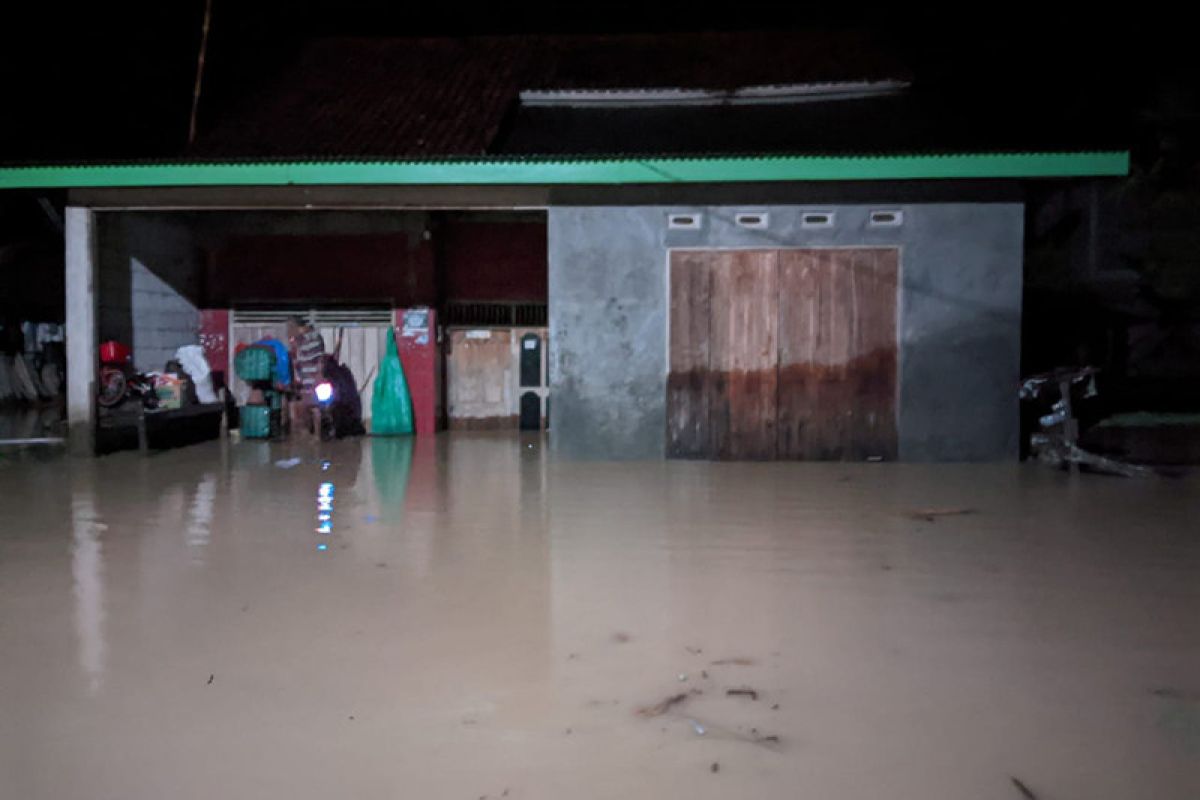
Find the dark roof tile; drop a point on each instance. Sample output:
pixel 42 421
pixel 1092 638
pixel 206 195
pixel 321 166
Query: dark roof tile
pixel 361 98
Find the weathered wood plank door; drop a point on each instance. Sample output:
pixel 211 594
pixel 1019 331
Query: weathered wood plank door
pixel 743 355
pixel 782 354
pixel 687 383
pixel 837 354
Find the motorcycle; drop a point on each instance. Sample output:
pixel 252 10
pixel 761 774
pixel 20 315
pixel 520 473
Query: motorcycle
pixel 338 401
pixel 119 381
pixel 325 396
pixel 1062 393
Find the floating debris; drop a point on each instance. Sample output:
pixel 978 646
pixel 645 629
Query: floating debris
pixel 663 706
pixel 699 729
pixel 737 662
pixel 620 637
pixel 694 650
pixel 572 656
pixel 775 707
pixel 1025 791
pixel 704 674
pixel 682 676
pixel 743 691
pixel 932 514
pixel 210 680
pixel 715 767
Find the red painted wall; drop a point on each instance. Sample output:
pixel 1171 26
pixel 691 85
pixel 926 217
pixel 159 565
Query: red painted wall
pixel 214 337
pixel 497 261
pixel 367 268
pixel 477 261
pixel 421 358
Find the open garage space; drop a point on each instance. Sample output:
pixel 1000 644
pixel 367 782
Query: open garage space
pixel 461 290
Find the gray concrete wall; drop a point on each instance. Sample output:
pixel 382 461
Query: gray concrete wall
pixel 959 320
pixel 150 272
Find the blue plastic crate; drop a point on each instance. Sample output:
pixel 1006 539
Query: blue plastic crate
pixel 256 422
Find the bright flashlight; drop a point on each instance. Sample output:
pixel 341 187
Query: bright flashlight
pixel 324 392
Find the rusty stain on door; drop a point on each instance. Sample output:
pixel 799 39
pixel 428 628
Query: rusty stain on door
pixel 786 354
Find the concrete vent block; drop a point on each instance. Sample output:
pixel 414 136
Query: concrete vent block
pixel 817 219
pixel 684 222
pixel 887 218
pixel 758 220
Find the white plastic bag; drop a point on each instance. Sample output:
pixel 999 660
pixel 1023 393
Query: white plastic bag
pixel 191 357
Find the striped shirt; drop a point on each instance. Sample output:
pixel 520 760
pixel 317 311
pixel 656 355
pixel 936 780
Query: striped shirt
pixel 308 358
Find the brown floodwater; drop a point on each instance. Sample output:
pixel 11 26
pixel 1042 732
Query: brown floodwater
pixel 464 617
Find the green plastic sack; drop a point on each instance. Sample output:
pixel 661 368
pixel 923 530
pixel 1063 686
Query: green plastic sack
pixel 391 405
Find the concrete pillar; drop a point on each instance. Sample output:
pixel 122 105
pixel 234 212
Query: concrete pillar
pixel 82 358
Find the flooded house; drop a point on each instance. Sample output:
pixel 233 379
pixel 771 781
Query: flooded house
pixel 643 247
pixel 662 304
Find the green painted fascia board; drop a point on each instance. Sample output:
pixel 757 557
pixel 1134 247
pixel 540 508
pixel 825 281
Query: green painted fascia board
pixel 567 172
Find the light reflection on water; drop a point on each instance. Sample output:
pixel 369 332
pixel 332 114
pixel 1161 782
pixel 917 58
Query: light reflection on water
pixel 324 511
pixel 200 516
pixel 87 572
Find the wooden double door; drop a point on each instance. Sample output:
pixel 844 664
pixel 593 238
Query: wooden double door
pixel 783 354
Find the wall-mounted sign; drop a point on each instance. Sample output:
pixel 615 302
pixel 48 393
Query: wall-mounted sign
pixel 416 322
pixel 416 325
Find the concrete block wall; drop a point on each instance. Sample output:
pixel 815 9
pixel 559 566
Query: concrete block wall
pixel 150 272
pixel 163 318
pixel 959 310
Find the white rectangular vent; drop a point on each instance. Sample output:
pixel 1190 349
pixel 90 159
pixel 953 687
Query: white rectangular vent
pixel 887 219
pixel 751 219
pixel 817 219
pixel 686 222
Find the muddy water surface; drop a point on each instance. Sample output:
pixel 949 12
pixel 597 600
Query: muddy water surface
pixel 466 617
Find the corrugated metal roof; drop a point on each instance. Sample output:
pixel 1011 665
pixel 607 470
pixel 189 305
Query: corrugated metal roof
pixel 782 94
